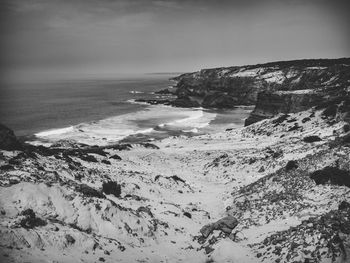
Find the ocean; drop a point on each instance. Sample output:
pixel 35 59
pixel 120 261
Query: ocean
pixel 103 111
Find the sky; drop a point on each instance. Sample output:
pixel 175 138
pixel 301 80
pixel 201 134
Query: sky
pixel 65 38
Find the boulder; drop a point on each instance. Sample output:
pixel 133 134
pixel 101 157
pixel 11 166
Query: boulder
pixel 291 165
pixel 332 175
pixel 89 191
pixel 30 220
pixel 111 187
pixel 312 138
pixel 226 225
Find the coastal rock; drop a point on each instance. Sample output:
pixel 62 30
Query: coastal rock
pixel 225 224
pixel 8 139
pixel 240 85
pixel 269 104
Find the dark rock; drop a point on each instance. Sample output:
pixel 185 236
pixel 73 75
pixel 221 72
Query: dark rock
pixel 305 120
pixel 115 157
pixel 226 225
pixel 330 111
pixel 333 175
pixel 120 147
pixel 106 162
pixel 89 191
pixel 281 119
pixel 187 214
pixel 156 101
pixel 165 92
pixel 291 165
pixel 262 169
pixel 30 220
pixel 101 259
pixel 176 179
pixel 207 230
pixel 208 249
pixel 88 158
pixel 294 128
pixel 150 145
pixel 143 209
pixel 312 138
pixel 111 187
pixel 8 140
pixel 70 240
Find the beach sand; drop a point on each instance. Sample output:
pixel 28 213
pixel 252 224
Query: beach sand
pixel 169 192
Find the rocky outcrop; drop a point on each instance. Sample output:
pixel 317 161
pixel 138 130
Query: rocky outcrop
pixel 8 139
pixel 270 104
pixel 232 86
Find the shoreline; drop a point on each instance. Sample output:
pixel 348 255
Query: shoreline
pixel 171 189
pixel 183 122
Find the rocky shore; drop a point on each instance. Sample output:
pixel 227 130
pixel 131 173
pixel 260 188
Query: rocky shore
pixel 274 191
pixel 275 87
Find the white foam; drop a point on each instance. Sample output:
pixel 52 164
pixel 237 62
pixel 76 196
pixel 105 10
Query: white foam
pixel 54 132
pixel 116 128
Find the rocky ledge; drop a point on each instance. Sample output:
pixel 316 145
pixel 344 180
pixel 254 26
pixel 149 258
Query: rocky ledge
pixel 275 87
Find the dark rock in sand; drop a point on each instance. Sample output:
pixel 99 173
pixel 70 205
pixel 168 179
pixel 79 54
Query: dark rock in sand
pixel 291 165
pixel 332 175
pixel 226 225
pixel 143 209
pixel 150 145
pixel 8 139
pixel 330 111
pixel 111 187
pixel 176 179
pixel 70 240
pixel 106 162
pixel 89 191
pixel 115 157
pixel 312 138
pixel 188 214
pixel 30 220
pixel 88 158
pixel 120 147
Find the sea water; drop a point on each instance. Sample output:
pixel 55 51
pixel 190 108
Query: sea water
pixel 104 111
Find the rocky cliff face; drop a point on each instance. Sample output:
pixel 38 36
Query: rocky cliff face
pixel 270 104
pixel 287 86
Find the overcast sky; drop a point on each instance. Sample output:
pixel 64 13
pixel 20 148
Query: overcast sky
pixel 69 37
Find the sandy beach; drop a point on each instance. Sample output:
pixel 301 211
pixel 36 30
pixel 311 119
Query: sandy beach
pixel 170 190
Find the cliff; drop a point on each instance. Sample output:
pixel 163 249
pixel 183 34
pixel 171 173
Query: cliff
pixel 276 87
pixel 270 104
